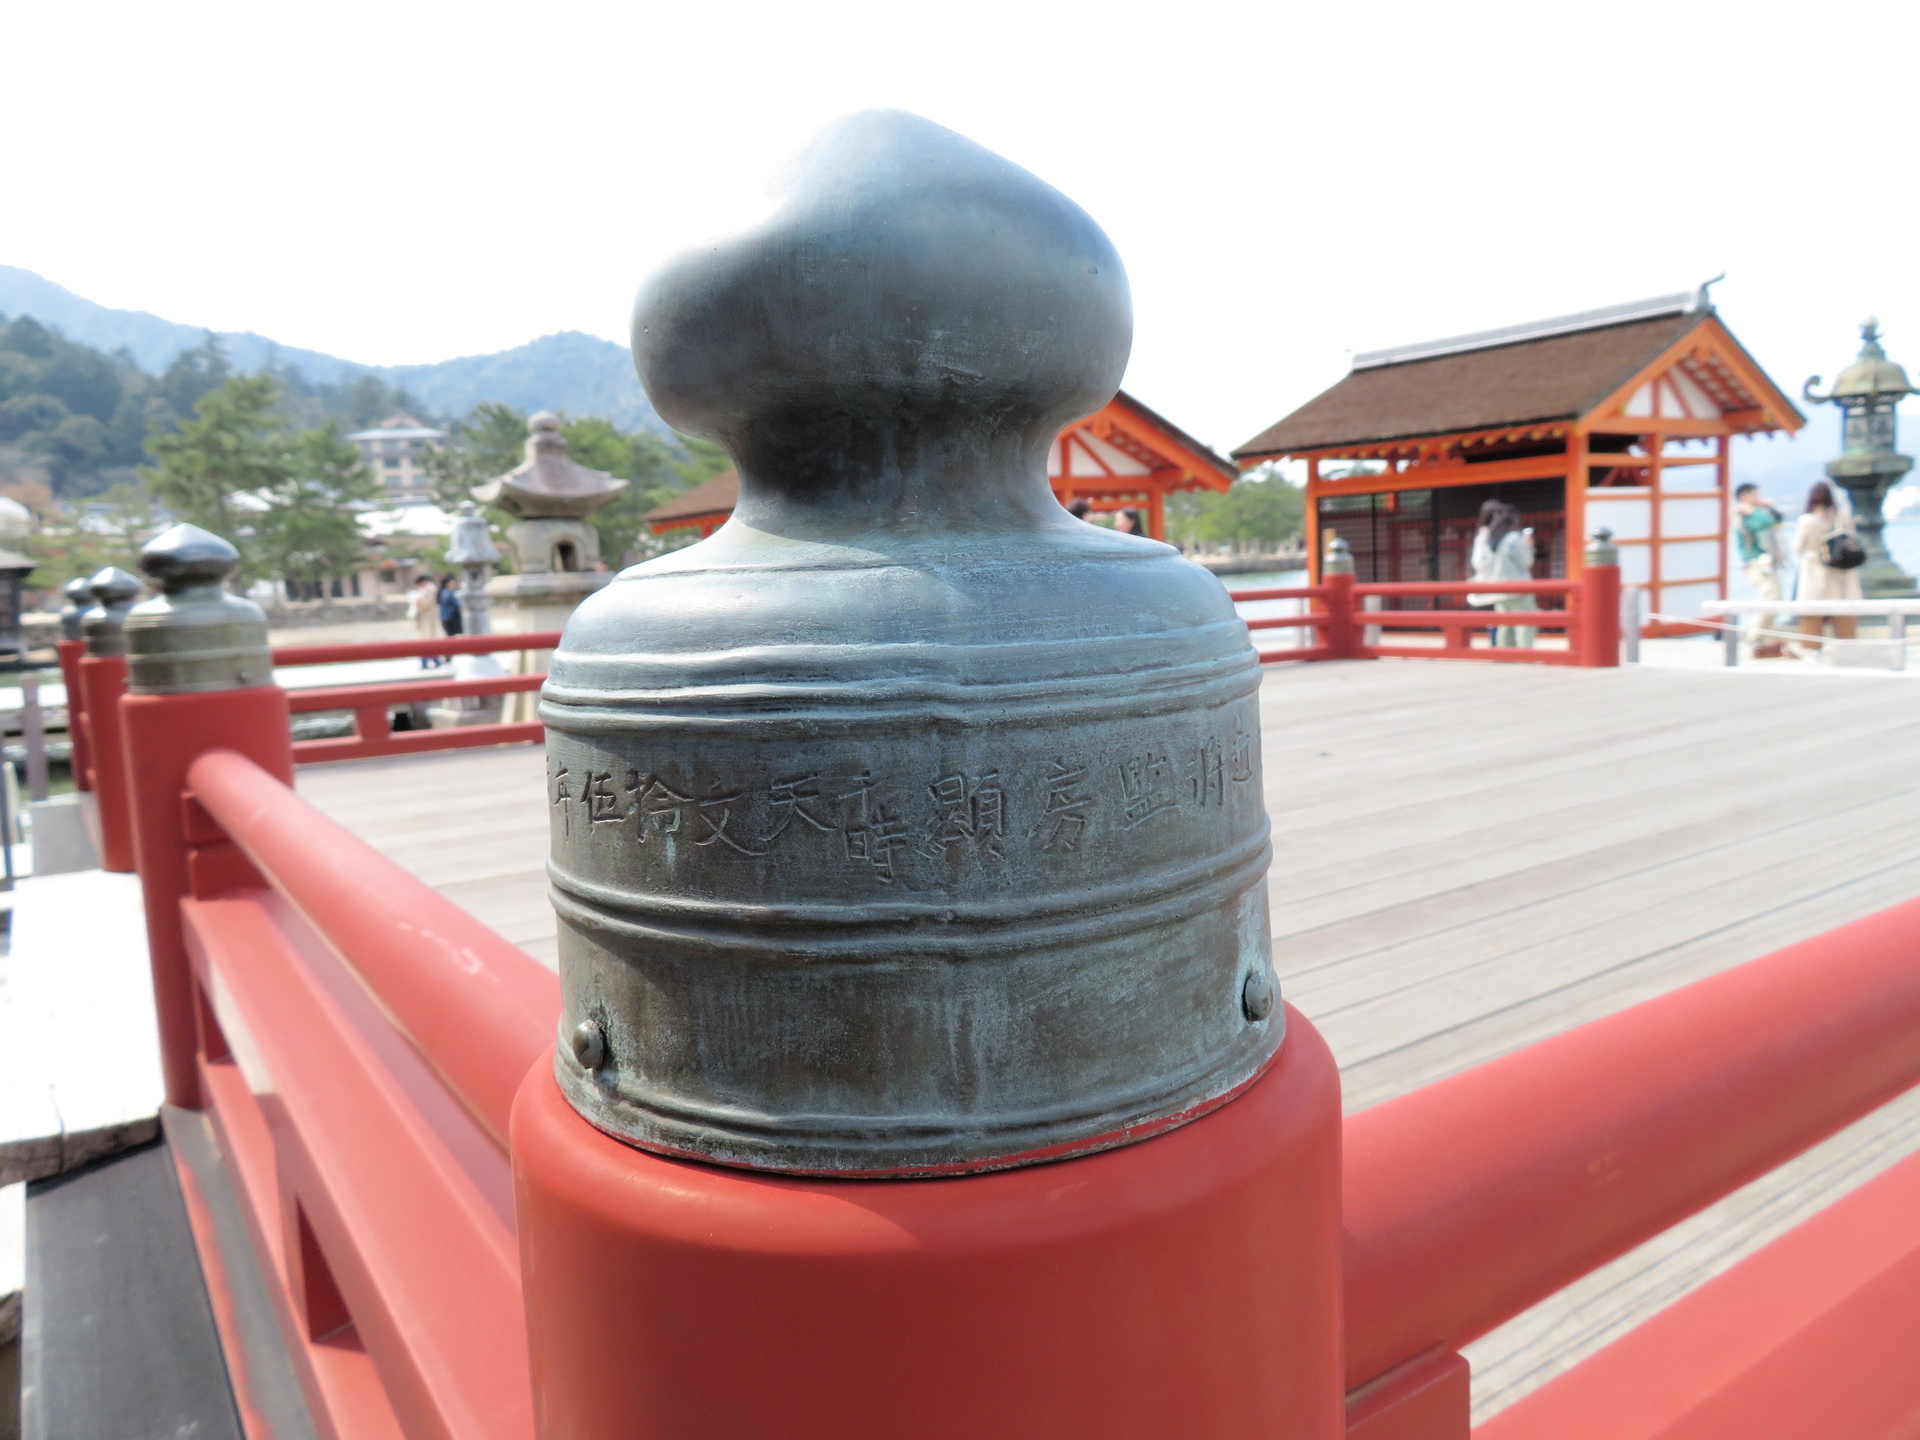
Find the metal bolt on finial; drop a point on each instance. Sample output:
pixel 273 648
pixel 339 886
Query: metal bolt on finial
pixel 1601 550
pixel 196 635
pixel 1256 996
pixel 589 1045
pixel 114 592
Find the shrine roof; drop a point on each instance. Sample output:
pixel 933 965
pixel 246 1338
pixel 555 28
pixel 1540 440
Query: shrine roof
pixel 715 496
pixel 1551 370
pixel 1206 455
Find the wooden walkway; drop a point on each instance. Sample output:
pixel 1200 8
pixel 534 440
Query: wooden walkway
pixel 1467 858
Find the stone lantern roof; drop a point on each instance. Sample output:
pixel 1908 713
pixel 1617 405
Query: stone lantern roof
pixel 551 484
pixel 1872 373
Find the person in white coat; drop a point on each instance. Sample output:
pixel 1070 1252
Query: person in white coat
pixel 423 609
pixel 1819 580
pixel 1502 550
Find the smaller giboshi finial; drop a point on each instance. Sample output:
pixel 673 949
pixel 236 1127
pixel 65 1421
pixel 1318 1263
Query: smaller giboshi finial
pixel 188 558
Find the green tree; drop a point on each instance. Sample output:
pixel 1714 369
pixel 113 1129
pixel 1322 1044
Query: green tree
pixel 233 447
pixel 1263 508
pixel 308 527
pixel 490 440
pixel 192 374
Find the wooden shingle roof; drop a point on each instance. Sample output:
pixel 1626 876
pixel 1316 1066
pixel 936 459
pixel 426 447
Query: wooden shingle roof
pixel 715 496
pixel 1553 377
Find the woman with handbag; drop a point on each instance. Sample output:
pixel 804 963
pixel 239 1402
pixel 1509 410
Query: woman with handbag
pixel 1830 558
pixel 1503 550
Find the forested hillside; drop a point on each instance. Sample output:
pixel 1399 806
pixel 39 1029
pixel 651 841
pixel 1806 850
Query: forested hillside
pixel 569 371
pixel 77 419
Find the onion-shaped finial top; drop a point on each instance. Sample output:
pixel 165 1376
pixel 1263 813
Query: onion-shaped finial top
pixel 79 596
pixel 113 591
pixel 188 558
pixel 898 342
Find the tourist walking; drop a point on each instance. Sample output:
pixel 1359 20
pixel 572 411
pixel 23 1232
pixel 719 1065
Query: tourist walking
pixel 1830 558
pixel 449 606
pixel 1763 556
pixel 423 609
pixel 1503 550
pixel 1130 522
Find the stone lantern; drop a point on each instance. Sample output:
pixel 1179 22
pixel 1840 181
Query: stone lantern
pixel 1868 392
pixel 472 550
pixel 555 547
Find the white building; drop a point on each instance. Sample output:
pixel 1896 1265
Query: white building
pixel 396 450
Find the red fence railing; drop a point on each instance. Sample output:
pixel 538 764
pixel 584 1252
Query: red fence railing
pixel 385 1033
pixel 372 704
pixel 1346 628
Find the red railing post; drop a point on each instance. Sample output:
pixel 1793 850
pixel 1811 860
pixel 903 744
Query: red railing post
pixel 1343 631
pixel 821 1154
pixel 103 680
pixel 1599 617
pixel 73 649
pixel 199 680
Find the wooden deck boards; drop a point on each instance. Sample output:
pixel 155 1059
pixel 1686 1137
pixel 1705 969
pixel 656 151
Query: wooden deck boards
pixel 1467 858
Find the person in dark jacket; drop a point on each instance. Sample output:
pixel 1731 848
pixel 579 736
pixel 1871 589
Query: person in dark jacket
pixel 449 605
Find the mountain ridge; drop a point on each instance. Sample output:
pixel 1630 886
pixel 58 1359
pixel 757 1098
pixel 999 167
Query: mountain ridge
pixel 567 370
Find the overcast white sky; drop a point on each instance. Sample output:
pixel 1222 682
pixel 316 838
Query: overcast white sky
pixel 404 181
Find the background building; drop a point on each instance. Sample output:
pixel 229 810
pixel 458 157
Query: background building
pixel 396 450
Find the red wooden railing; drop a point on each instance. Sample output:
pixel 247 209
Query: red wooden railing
pixel 372 703
pixel 358 1041
pixel 1341 620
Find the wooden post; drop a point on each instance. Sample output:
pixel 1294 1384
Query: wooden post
pixel 1312 518
pixel 1157 513
pixel 1599 602
pixel 1656 502
pixel 103 679
pixel 80 751
pixel 1576 505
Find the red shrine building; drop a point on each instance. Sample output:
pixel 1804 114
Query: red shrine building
pixel 1619 418
pixel 1123 458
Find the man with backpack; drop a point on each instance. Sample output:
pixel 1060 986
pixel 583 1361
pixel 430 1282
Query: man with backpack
pixel 1763 556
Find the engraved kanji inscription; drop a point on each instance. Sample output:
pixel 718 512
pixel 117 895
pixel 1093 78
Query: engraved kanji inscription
pixel 1149 786
pixel 603 802
pixel 797 800
pixel 1240 758
pixel 1064 820
pixel 657 806
pixel 970 812
pixel 870 832
pixel 1207 775
pixel 716 813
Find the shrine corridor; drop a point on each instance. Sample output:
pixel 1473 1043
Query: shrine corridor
pixel 1466 858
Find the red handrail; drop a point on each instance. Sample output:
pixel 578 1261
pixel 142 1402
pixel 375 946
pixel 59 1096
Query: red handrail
pixel 1471 1199
pixel 406 692
pixel 411 649
pixel 1468 587
pixel 479 1009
